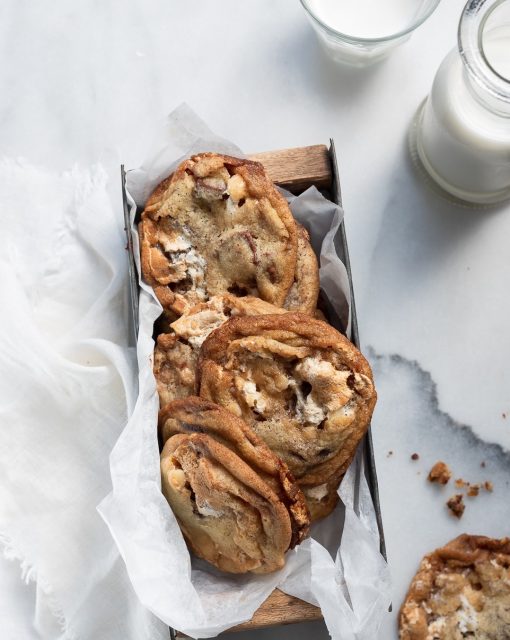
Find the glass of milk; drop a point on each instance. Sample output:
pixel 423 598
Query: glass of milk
pixel 461 134
pixel 360 32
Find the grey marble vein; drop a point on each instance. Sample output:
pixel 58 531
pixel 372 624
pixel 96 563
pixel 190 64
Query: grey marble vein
pixel 409 419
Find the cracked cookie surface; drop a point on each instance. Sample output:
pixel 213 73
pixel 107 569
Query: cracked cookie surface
pixel 217 225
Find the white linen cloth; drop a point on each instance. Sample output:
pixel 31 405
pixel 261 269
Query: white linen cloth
pixel 67 385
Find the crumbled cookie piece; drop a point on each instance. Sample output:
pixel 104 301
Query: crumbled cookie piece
pixel 456 505
pixel 415 456
pixel 460 483
pixel 488 486
pixel 482 464
pixel 473 490
pixel 440 473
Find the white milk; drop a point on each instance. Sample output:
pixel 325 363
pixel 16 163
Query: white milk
pixel 497 51
pixel 366 18
pixel 463 144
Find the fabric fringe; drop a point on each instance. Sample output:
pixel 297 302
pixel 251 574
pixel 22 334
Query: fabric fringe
pixel 29 574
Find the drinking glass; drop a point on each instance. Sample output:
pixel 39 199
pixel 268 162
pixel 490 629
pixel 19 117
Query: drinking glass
pixel 361 32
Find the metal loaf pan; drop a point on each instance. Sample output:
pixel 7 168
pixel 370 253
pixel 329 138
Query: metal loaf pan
pixel 296 170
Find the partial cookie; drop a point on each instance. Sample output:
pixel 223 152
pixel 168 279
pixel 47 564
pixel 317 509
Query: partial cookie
pixel 176 353
pixel 320 315
pixel 304 292
pixel 217 225
pixel 460 591
pixel 323 498
pixel 301 385
pixel 227 513
pixel 195 415
pixel 174 367
pixel 197 323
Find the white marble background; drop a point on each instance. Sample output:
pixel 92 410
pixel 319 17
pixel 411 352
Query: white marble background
pixel 87 81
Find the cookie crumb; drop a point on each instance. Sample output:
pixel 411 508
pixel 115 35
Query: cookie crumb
pixel 482 464
pixel 440 473
pixel 456 505
pixel 503 415
pixel 390 453
pixel 415 456
pixel 488 485
pixel 460 483
pixel 474 490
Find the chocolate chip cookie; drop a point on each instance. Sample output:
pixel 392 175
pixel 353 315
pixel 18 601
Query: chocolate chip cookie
pixel 217 225
pixel 461 590
pixel 298 383
pixel 236 503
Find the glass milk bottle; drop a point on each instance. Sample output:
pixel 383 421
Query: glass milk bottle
pixel 462 131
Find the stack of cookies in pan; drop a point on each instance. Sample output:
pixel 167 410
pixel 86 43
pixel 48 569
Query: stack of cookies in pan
pixel 262 404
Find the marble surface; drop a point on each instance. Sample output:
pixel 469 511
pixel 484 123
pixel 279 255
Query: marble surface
pixel 86 82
